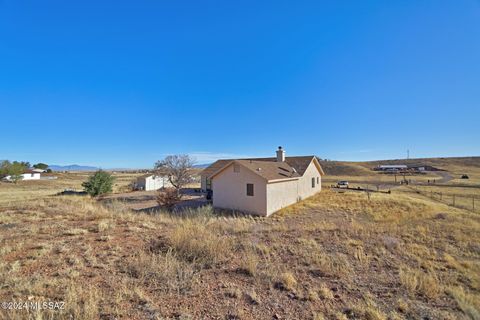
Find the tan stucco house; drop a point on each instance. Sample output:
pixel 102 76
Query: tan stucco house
pixel 262 186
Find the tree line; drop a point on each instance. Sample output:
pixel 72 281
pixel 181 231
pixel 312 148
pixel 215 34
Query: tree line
pixel 15 169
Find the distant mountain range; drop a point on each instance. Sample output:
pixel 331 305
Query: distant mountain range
pixel 72 167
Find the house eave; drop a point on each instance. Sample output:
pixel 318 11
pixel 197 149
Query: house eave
pixel 283 180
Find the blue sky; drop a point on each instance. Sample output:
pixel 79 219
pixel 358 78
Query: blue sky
pixel 124 83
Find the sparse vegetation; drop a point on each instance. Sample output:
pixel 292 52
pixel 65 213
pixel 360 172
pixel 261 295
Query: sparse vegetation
pixel 333 256
pixel 101 182
pixel 13 169
pixel 168 197
pixel 178 169
pixel 287 281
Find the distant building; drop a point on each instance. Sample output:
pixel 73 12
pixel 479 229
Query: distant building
pixel 416 168
pixel 391 167
pixel 26 175
pixel 38 170
pixel 151 182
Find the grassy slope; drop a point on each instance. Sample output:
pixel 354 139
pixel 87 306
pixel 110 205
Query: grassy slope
pixel 455 164
pixel 334 256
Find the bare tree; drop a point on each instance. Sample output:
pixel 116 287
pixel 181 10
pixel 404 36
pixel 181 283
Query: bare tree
pixel 178 169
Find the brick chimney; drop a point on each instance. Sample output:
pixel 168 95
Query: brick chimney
pixel 280 155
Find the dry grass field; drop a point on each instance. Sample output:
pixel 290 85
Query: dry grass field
pixel 34 189
pixel 333 256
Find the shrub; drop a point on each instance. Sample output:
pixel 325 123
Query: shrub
pixel 325 293
pixel 194 241
pixel 249 262
pixel 168 197
pixel 164 272
pixel 286 281
pixel 101 182
pixel 416 281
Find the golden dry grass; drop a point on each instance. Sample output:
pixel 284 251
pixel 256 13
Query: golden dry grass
pixel 333 256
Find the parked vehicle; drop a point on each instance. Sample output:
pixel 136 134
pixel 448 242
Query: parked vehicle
pixel 342 184
pixel 464 176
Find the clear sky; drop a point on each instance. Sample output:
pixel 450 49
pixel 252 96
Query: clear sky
pixel 124 83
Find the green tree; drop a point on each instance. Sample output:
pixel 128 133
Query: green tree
pixel 99 183
pixel 4 165
pixel 15 171
pixel 40 165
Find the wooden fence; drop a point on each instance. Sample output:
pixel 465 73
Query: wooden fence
pixel 469 202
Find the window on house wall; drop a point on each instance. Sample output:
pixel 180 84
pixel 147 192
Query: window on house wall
pixel 250 189
pixel 236 168
pixel 318 180
pixel 313 182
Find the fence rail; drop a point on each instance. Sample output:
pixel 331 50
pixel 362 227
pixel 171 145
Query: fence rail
pixel 469 202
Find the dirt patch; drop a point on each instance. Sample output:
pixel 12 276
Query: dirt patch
pixel 146 200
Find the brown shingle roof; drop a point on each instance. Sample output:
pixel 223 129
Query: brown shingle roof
pixel 217 165
pixel 269 168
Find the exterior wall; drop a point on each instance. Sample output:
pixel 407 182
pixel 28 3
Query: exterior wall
pixel 151 183
pixel 230 191
pixel 305 189
pixel 31 176
pixel 281 195
pixel 26 176
pixel 285 193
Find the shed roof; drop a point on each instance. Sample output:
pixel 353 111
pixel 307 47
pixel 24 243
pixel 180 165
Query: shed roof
pixel 29 171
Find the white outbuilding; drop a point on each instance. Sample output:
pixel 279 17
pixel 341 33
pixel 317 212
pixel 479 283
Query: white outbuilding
pixel 151 182
pixel 26 175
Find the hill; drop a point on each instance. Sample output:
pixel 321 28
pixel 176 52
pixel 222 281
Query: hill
pixel 350 168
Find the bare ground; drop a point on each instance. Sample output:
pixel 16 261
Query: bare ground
pixel 334 256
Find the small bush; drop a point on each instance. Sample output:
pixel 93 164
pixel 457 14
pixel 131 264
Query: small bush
pixel 287 281
pixel 252 297
pixel 418 282
pixel 168 197
pixel 325 293
pixel 249 262
pixel 164 272
pixel 194 241
pixel 101 182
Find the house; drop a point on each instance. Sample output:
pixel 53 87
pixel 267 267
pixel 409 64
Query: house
pixel 262 186
pixel 37 170
pixel 26 175
pixel 391 168
pixel 150 182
